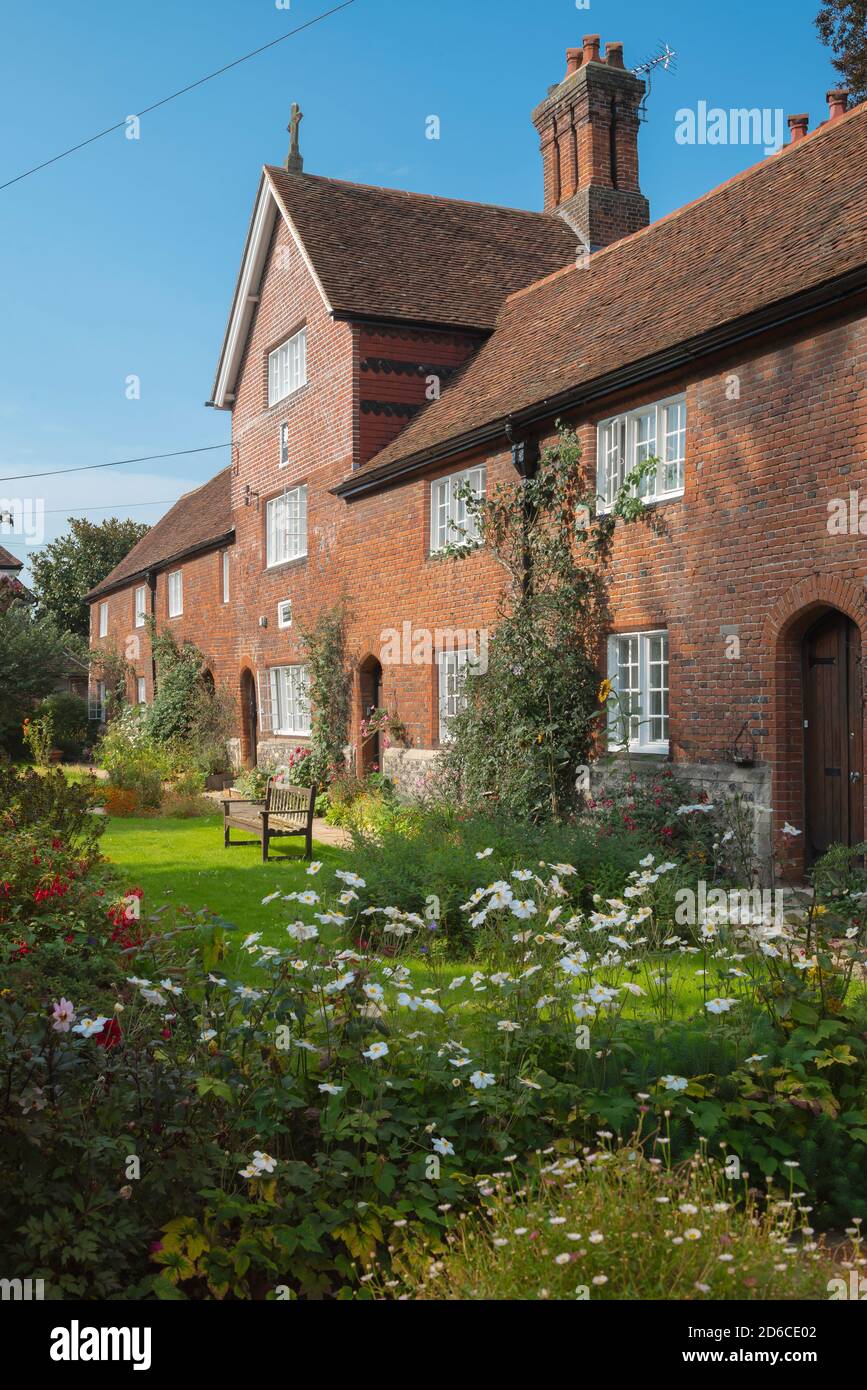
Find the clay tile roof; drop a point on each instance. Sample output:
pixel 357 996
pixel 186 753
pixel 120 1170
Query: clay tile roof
pixel 778 230
pixel 383 253
pixel 197 519
pixel 8 561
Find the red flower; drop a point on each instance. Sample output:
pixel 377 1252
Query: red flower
pixel 110 1035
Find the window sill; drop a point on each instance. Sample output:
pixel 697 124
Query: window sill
pixel 286 401
pixel 659 751
pixel 295 563
pixel 605 509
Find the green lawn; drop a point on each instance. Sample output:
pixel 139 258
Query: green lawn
pixel 184 863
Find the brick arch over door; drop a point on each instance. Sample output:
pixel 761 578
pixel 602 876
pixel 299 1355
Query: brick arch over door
pixel 782 679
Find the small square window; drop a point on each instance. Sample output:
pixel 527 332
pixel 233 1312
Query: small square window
pixel 284 613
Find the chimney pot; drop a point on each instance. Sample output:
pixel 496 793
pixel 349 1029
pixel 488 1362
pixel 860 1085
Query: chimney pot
pixel 614 55
pixel 838 104
pixel 798 126
pixel 591 48
pixel 574 59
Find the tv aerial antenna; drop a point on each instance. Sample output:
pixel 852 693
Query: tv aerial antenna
pixel 663 60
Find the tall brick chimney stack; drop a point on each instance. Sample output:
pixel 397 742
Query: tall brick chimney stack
pixel 588 126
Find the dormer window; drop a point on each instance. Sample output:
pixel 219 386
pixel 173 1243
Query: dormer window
pixel 287 367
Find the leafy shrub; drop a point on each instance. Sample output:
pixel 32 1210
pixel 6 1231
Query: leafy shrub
pixel 621 1224
pixel 39 737
pixel 366 803
pixel 72 728
pixel 120 801
pixel 186 805
pixel 412 857
pixel 62 808
pixel 134 763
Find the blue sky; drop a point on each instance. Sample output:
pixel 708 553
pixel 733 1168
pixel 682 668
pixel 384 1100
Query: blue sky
pixel 121 259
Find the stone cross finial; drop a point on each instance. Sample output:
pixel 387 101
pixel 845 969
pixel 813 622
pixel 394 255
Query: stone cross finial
pixel 294 161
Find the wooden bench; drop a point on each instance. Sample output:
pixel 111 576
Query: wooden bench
pixel 285 811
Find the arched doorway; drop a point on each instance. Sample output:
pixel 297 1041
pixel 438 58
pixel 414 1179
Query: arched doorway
pixel 249 719
pixel 833 734
pixel 370 694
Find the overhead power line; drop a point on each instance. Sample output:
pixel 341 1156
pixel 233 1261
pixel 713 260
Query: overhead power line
pixel 191 86
pixel 115 463
pixel 114 506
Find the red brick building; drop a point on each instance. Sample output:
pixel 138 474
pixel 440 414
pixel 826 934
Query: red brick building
pixel 382 345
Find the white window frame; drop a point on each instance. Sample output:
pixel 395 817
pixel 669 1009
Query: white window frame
pixel 623 441
pixel 140 609
pixel 96 702
pixel 284 445
pixel 225 576
pixel 284 619
pixel 449 522
pixel 103 619
pixel 290 701
pixel 287 367
pixel 451 675
pixel 643 668
pixel 175 583
pixel 141 690
pixel 286 527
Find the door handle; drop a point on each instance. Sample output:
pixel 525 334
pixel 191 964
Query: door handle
pixel 854 776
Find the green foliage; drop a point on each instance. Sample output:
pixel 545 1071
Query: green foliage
pixel 330 692
pixel 318 1106
pixel 66 569
pixel 39 737
pixel 32 659
pixel 133 760
pixel 180 668
pixel 70 721
pixel 189 715
pixel 625 1225
pixel 411 856
pixel 842 25
pixel 28 798
pixel 532 716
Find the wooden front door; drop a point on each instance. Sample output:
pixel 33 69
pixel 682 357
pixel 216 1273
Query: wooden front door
pixel 833 735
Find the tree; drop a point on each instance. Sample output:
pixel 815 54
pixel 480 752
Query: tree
pixel 32 657
pixel 842 25
pixel 65 570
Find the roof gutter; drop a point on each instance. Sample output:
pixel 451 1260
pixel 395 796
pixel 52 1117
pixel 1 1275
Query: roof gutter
pixel 715 340
pixel 153 569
